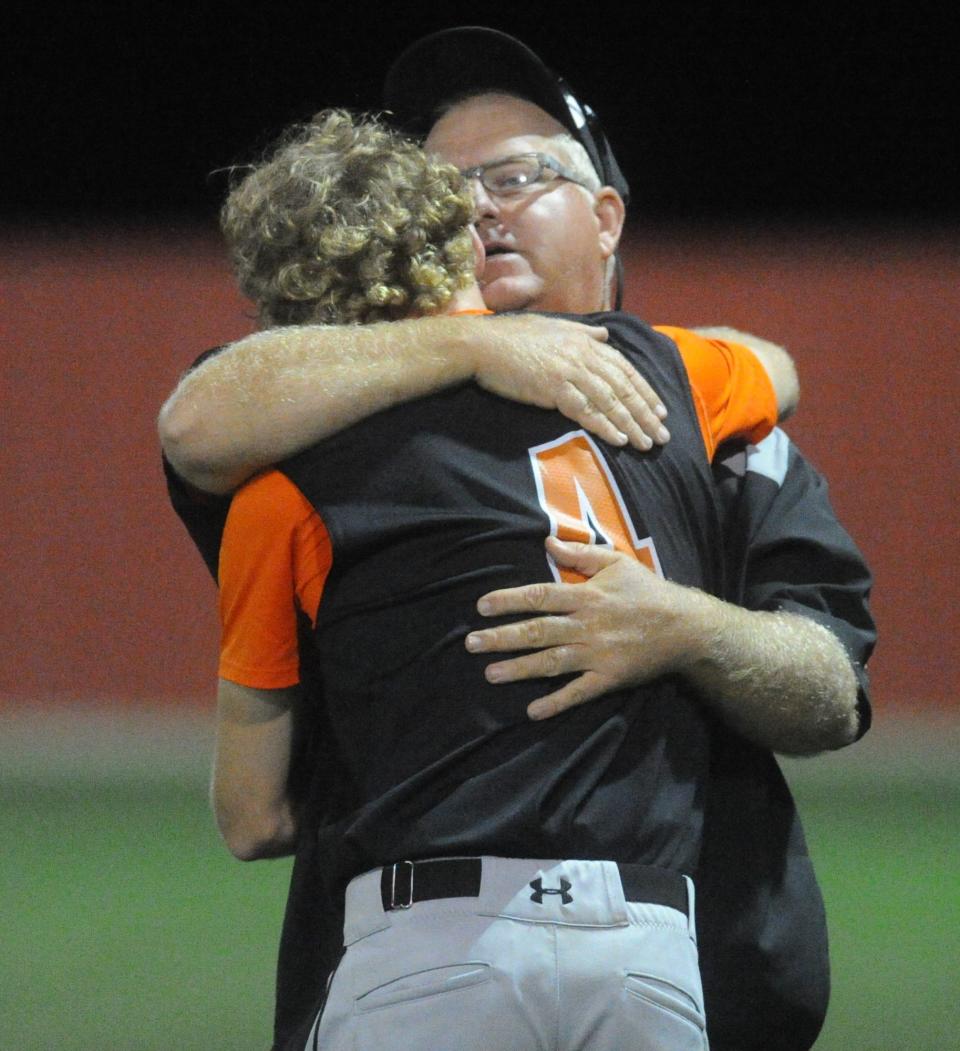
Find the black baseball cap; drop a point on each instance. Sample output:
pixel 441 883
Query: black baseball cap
pixel 445 66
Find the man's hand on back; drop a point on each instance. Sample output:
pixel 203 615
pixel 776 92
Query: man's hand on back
pixel 568 366
pixel 622 626
pixel 781 679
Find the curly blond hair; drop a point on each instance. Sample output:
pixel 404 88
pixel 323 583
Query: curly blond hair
pixel 347 221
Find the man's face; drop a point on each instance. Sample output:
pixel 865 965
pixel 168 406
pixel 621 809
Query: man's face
pixel 546 249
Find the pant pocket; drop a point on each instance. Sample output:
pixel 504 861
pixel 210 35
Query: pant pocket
pixel 455 1007
pixel 671 1015
pixel 434 981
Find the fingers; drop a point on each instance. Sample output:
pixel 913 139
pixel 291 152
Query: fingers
pixel 597 332
pixel 646 418
pixel 530 598
pixel 567 365
pixel 613 424
pixel 541 597
pixel 642 388
pixel 608 397
pixel 637 397
pixel 586 559
pixel 610 391
pixel 544 664
pixel 523 635
pixel 634 417
pixel 584 688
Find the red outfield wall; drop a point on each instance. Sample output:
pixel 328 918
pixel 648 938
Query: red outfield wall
pixel 104 598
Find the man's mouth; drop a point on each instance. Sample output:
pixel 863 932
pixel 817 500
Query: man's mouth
pixel 492 251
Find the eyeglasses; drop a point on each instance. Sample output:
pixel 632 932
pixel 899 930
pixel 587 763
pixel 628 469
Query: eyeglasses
pixel 520 174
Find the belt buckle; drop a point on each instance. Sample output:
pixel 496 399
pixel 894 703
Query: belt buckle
pixel 394 904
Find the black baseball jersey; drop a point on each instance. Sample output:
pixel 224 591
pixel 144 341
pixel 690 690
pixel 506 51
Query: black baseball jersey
pixel 761 924
pixel 493 739
pixel 429 506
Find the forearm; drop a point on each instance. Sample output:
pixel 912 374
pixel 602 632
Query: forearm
pixel 249 787
pixel 270 395
pixel 274 835
pixel 273 394
pixel 780 679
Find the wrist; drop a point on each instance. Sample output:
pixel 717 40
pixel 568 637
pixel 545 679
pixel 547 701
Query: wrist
pixel 469 346
pixel 703 626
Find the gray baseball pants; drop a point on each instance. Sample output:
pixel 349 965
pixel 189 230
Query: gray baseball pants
pixel 507 954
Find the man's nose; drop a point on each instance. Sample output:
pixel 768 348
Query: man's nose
pixel 486 205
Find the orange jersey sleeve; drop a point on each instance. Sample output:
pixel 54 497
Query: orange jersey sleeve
pixel 274 560
pixel 731 389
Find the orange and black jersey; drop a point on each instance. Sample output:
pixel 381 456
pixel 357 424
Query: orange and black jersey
pixel 419 511
pixel 276 550
pixel 759 908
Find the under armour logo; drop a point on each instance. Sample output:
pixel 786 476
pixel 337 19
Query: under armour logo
pixel 538 891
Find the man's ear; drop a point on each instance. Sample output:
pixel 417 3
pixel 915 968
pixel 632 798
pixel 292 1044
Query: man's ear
pixel 479 252
pixel 610 211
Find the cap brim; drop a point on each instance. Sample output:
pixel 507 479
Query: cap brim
pixel 446 66
pixel 455 62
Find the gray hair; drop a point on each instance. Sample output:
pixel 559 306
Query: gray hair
pixel 577 159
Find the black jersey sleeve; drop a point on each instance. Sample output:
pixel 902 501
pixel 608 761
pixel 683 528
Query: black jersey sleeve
pixel 203 514
pixel 788 551
pixel 760 916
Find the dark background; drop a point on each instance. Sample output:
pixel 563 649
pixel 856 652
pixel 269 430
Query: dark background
pixel 795 175
pixel 112 119
pixel 717 111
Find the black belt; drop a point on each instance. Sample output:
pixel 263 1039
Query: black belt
pixel 407 882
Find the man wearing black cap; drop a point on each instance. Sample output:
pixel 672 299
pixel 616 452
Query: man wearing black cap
pixel 471 61
pixel 478 95
pixel 761 927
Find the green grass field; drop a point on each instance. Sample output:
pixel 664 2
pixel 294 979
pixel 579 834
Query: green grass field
pixel 127 927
